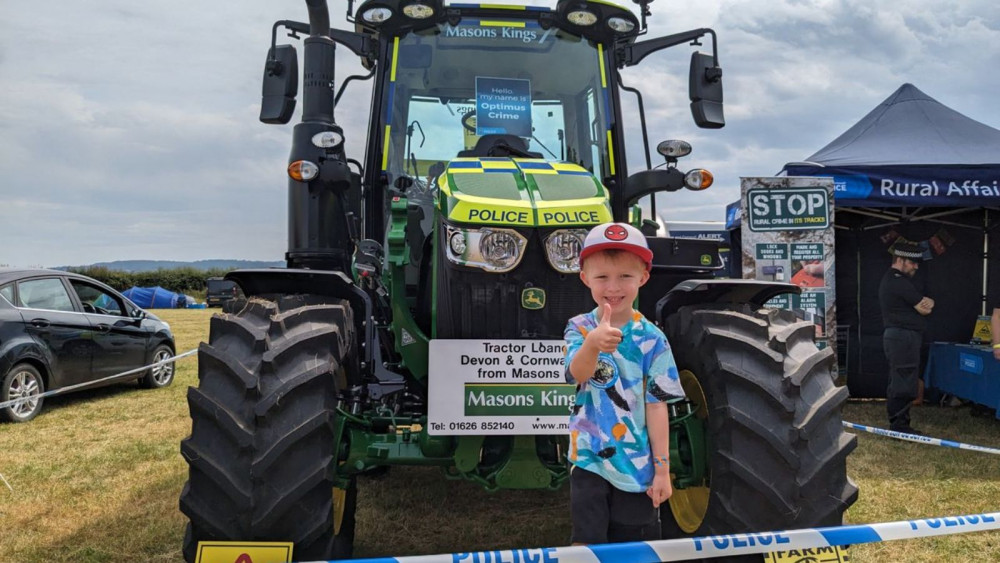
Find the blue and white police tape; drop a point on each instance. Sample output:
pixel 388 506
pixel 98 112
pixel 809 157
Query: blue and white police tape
pixel 715 546
pixel 922 439
pixel 62 390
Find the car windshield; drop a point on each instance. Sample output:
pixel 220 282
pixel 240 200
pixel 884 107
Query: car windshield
pixel 220 286
pixel 541 90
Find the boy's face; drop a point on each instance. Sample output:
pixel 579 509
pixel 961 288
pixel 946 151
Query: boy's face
pixel 614 280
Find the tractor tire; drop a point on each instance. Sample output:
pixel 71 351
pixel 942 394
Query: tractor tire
pixel 777 451
pixel 261 453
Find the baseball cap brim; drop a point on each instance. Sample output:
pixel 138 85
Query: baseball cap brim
pixel 643 253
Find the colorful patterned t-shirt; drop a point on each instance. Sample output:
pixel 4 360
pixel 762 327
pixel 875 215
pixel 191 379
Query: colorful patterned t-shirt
pixel 608 434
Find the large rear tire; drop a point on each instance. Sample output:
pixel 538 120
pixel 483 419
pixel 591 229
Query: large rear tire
pixel 261 453
pixel 777 449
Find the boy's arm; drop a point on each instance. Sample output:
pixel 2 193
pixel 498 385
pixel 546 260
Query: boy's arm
pixel 658 426
pixel 584 363
pixel 604 338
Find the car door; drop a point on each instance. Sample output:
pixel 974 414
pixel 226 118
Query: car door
pixel 53 321
pixel 121 340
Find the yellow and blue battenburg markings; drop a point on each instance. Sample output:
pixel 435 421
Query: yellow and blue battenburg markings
pixel 725 545
pixel 500 7
pixel 388 106
pixel 521 192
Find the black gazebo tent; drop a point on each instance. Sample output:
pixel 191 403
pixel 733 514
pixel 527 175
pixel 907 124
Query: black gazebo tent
pixel 911 168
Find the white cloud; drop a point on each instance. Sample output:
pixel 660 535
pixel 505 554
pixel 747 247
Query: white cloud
pixel 129 130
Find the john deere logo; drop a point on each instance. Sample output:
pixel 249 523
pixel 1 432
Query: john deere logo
pixel 533 298
pixel 706 260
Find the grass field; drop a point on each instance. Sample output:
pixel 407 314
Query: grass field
pixel 97 475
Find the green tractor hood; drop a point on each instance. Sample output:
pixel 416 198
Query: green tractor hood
pixel 521 192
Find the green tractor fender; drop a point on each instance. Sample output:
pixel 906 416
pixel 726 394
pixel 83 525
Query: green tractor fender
pixel 699 292
pixel 335 284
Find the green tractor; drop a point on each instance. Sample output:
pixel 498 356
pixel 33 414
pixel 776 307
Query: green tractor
pixel 420 319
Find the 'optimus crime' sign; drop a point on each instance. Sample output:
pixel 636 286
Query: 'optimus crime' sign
pixel 498 387
pixel 788 209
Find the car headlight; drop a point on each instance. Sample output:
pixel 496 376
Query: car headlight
pixel 562 248
pixel 493 250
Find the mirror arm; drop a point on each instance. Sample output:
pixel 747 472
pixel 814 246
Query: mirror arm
pixel 359 44
pixel 636 52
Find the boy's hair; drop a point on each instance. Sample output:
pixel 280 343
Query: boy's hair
pixel 617 237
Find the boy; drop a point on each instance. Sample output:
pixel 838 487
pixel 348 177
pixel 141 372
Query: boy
pixel 624 371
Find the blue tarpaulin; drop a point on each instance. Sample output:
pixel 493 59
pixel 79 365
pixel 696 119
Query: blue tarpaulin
pixel 154 297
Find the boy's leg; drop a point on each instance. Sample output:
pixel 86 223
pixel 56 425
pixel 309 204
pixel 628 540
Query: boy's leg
pixel 590 497
pixel 633 518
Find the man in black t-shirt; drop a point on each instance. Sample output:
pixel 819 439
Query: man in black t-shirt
pixel 903 312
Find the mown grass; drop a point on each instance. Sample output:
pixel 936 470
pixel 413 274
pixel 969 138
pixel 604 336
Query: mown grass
pixel 97 475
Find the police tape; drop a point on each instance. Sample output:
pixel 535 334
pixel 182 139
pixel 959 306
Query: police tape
pixel 62 390
pixel 921 439
pixel 724 545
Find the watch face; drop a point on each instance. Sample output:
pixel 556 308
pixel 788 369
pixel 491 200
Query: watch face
pixel 606 373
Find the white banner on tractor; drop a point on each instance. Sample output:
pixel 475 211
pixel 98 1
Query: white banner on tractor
pixel 488 387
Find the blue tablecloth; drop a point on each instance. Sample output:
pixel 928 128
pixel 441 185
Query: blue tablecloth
pixel 966 371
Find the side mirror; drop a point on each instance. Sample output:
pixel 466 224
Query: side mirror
pixel 281 83
pixel 705 91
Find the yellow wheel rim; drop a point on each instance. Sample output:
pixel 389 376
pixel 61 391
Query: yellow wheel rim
pixel 339 503
pixel 690 505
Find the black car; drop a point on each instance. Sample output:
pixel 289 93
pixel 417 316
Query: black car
pixel 218 291
pixel 59 329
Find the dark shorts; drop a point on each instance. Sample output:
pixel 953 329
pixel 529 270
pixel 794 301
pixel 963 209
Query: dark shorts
pixel 602 514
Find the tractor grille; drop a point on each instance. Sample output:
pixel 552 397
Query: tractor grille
pixel 477 304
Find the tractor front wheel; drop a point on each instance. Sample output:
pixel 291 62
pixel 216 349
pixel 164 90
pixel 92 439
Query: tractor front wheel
pixel 776 448
pixel 262 449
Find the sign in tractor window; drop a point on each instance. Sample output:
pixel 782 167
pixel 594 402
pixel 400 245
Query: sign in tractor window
pixel 503 106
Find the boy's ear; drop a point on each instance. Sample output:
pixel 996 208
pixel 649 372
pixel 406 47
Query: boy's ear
pixel 583 278
pixel 645 278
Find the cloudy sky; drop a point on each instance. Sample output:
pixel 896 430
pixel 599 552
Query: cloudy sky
pixel 128 130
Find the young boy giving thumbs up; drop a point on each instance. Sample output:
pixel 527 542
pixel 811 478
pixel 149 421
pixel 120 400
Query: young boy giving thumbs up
pixel 624 371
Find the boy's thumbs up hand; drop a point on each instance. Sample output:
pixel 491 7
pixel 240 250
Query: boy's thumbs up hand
pixel 606 317
pixel 605 337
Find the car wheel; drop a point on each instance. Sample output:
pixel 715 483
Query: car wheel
pixel 23 381
pixel 162 375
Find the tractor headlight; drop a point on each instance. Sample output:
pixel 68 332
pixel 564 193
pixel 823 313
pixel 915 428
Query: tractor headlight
pixel 376 15
pixel 456 242
pixel 620 25
pixel 418 11
pixel 493 250
pixel 562 248
pixel 500 249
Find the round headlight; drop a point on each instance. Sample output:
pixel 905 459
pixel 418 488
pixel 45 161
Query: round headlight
pixel 327 139
pixel 376 15
pixel 501 250
pixel 582 18
pixel 620 25
pixel 563 247
pixel 418 11
pixel 457 243
pixel 698 179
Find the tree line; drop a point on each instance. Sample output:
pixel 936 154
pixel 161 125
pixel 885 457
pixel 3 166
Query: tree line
pixel 178 280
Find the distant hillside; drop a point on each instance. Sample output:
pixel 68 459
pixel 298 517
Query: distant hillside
pixel 151 265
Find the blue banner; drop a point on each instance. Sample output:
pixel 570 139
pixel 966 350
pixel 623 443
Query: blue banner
pixel 503 106
pixel 916 186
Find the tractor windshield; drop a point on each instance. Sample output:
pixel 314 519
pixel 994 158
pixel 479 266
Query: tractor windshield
pixel 462 90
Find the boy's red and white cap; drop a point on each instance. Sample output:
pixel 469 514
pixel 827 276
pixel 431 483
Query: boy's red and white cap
pixel 619 236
